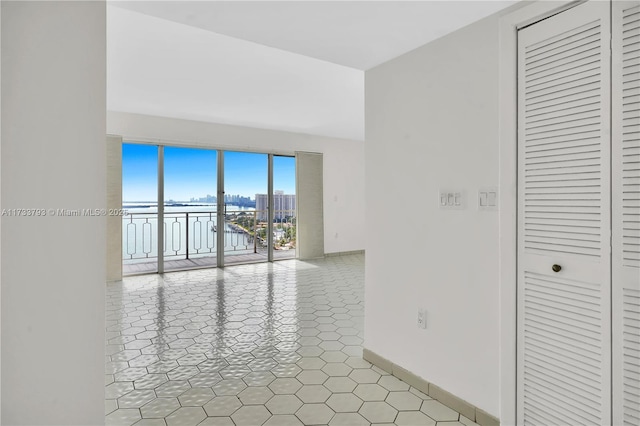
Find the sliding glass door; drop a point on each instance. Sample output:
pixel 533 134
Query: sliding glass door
pixel 284 207
pixel 245 207
pixel 140 201
pixel 214 208
pixel 190 208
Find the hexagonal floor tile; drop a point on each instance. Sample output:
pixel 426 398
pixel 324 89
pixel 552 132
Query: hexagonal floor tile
pixel 311 363
pixel 310 351
pixel 404 401
pixel 184 372
pixel 150 381
pixel 284 404
pixel 172 388
pixel 159 408
pixel 234 371
pixel 287 357
pixel 340 384
pixel 391 383
pixel 196 397
pixel 186 416
pixel 162 366
pixel 438 411
pixel 344 403
pixel 371 392
pixel 130 374
pixel 315 333
pixel 221 406
pixel 262 364
pixel 418 393
pixel 337 369
pixel 118 389
pixel 313 393
pixel 312 377
pixel 205 380
pixel 286 370
pixel 333 356
pixel 136 398
pixel 259 378
pixel 357 362
pixel 315 414
pixel 364 375
pixel 255 395
pixel 355 351
pixel 331 346
pixel 250 415
pixel 229 387
pixel 285 385
pixel 378 412
pixel 123 417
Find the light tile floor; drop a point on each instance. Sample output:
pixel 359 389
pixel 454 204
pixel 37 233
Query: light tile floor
pixel 273 344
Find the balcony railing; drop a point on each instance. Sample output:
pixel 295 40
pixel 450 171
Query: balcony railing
pixel 189 235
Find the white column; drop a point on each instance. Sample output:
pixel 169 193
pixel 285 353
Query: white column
pixel 53 267
pixel 310 218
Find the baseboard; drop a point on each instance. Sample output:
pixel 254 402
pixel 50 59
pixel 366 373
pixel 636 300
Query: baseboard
pixel 344 253
pixel 468 410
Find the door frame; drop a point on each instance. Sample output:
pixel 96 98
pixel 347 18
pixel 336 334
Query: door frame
pixel 508 200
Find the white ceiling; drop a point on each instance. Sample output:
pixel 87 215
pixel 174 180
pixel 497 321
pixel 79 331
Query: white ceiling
pixel 286 65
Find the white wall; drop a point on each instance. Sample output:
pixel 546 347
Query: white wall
pixel 432 122
pixel 343 163
pixel 53 156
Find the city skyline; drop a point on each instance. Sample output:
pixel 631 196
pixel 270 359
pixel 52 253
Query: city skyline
pixel 232 198
pixel 191 173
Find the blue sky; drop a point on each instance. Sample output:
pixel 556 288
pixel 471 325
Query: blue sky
pixel 191 172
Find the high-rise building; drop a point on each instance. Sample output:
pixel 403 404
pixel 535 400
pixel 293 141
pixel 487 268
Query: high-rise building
pixel 284 205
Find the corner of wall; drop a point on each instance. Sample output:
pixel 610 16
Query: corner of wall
pixel 465 409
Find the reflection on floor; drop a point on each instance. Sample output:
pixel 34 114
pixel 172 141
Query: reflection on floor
pixel 274 344
pixel 142 267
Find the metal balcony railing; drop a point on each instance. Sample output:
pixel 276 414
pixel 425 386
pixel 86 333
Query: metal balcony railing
pixel 193 234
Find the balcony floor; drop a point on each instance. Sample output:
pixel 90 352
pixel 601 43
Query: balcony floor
pixel 267 343
pixel 203 262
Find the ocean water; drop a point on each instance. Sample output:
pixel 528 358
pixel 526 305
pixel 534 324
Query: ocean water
pixel 140 231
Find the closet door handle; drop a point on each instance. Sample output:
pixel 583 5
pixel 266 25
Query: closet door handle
pixel 556 268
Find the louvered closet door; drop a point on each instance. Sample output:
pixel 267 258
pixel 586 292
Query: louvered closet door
pixel 564 211
pixel 626 212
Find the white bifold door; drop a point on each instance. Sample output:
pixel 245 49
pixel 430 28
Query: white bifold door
pixel 579 217
pixel 626 212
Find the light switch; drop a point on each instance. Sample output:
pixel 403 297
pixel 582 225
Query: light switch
pixel 451 199
pixel 488 198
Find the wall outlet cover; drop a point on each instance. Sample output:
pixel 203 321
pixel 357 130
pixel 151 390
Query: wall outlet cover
pixel 422 318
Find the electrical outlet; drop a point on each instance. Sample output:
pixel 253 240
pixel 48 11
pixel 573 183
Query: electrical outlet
pixel 422 318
